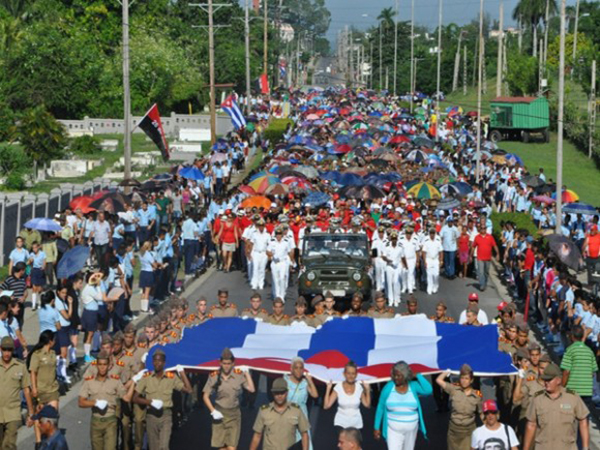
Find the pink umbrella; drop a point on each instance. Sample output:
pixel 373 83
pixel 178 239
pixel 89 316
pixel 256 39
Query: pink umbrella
pixel 312 117
pixel 543 199
pixel 218 157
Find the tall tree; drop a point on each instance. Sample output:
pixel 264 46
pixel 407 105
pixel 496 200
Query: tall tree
pixel 532 12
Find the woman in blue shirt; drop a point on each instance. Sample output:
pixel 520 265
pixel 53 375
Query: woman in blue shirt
pixel 91 296
pixel 64 306
pixel 118 234
pixel 399 412
pixel 37 259
pixel 147 266
pixel 48 316
pixel 19 254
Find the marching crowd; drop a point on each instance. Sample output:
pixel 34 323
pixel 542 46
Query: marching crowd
pixel 377 172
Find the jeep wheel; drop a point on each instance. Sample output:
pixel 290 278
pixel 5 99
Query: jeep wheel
pixel 495 136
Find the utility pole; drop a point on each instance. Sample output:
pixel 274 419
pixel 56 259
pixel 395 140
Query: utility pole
pixel 499 64
pixel 210 8
pixel 371 63
pixel 395 48
pixel 351 50
pixel 412 53
pixel 465 70
pixel 439 71
pixel 561 112
pixel 546 20
pixel 520 39
pixel 381 55
pixel 592 110
pixel 457 63
pixel 126 94
pixel 247 39
pixel 479 72
pixel 540 67
pixel 575 35
pixel 265 38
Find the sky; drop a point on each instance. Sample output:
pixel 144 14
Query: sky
pixel 352 12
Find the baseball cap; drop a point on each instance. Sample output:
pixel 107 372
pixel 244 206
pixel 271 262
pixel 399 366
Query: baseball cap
pixel 473 297
pixel 551 372
pixel 279 385
pixel 501 306
pixel 7 343
pixel 47 412
pixel 490 406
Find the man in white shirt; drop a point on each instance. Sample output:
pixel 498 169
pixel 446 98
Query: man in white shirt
pixel 492 434
pixel 482 317
pixel 280 254
pixel 411 244
pixel 395 260
pixel 379 244
pixel 257 253
pixel 434 258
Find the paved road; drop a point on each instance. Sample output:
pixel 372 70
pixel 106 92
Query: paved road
pixel 324 79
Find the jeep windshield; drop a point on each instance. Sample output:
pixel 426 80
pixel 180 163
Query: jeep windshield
pixel 336 245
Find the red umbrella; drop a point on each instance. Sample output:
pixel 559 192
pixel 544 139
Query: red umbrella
pixel 399 139
pixel 472 114
pixel 82 202
pixel 344 111
pixel 247 190
pixel 344 148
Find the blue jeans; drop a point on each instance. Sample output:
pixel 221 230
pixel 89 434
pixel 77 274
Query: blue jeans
pixel 189 253
pixel 483 271
pixel 449 259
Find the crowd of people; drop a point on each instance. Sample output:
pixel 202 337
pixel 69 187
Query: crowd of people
pixel 350 162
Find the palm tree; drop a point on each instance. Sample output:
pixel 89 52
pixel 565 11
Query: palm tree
pixel 386 17
pixel 532 11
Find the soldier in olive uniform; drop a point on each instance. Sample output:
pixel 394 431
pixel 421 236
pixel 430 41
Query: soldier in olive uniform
pixel 124 351
pixel 255 311
pixel 139 411
pixel 527 385
pixel 356 306
pixel 301 315
pixel 103 394
pixel 278 317
pixel 466 406
pixel 155 391
pixel 412 307
pixel 555 414
pixel 505 384
pixel 380 310
pixel 116 368
pixel 14 379
pixel 226 385
pixel 200 316
pixel 441 311
pixel 319 306
pixel 223 308
pixel 278 422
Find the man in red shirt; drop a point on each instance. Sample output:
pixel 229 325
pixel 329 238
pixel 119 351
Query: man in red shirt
pixel 485 245
pixel 591 251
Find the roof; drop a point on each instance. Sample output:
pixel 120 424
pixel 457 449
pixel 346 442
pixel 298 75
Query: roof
pixel 514 99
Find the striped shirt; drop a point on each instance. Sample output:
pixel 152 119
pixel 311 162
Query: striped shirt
pixel 581 363
pixel 402 407
pixel 17 285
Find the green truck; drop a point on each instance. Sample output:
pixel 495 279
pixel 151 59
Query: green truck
pixel 517 118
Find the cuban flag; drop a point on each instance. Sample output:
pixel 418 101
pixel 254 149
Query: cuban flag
pixel 373 344
pixel 231 107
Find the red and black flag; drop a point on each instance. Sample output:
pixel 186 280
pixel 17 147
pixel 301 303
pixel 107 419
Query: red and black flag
pixel 261 84
pixel 153 128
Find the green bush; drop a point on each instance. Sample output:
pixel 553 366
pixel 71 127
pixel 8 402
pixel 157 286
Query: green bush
pixel 522 221
pixel 276 129
pixel 15 181
pixel 12 158
pixel 85 145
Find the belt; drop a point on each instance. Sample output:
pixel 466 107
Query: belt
pixel 104 419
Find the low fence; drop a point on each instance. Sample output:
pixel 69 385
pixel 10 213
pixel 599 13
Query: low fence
pixel 171 124
pixel 17 208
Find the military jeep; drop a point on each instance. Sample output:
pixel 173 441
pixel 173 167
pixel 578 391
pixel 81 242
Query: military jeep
pixel 338 263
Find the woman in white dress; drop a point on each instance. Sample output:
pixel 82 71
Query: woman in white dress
pixel 349 395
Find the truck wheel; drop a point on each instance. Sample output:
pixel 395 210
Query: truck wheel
pixel 546 134
pixel 525 136
pixel 495 136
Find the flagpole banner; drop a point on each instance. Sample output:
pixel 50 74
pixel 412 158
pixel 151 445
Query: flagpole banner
pixel 152 126
pixel 373 344
pixel 232 109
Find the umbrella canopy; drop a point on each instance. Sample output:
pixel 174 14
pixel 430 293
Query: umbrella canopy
pixel 448 204
pixel 316 199
pixel 261 184
pixel 417 156
pixel 308 171
pixel 423 142
pixel 296 182
pixel 218 157
pixel 43 224
pixel 350 179
pixel 424 190
pixel 192 173
pixel 579 208
pixel 130 182
pixel 457 188
pixel 513 159
pixel 257 201
pixel 72 261
pixel 565 250
pixel 568 196
pixel 533 181
pixel 277 189
pixel 499 159
pixel 362 192
pixel 543 199
pixel 82 202
pixel 112 202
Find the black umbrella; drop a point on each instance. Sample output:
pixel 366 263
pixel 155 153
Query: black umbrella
pixel 545 189
pixel 533 181
pixel 565 250
pixel 130 182
pixel 381 163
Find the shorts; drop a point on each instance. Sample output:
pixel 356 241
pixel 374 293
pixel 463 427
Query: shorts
pixel 38 277
pixel 63 337
pixel 146 279
pixel 47 397
pixel 89 321
pixel 226 432
pixel 228 247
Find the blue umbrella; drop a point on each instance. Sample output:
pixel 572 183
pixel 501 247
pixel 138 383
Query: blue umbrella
pixel 447 204
pixel 192 173
pixel 72 261
pixel 43 224
pixel 316 199
pixel 331 176
pixel 579 208
pixel 350 179
pixel 163 177
pixel 220 145
pixel 459 188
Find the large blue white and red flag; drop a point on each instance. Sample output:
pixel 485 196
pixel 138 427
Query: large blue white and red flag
pixel 373 344
pixel 231 107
